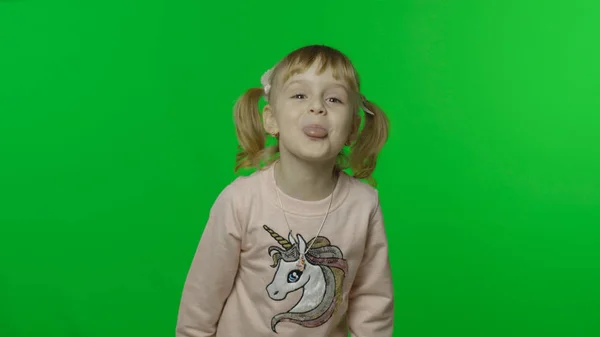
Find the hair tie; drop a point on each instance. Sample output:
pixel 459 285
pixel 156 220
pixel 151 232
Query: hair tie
pixel 363 105
pixel 265 80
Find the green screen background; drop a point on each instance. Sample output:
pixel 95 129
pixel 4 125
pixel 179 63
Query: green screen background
pixel 116 136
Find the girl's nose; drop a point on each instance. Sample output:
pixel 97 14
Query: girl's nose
pixel 317 109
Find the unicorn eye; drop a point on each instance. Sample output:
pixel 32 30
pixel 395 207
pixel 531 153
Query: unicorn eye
pixel 294 276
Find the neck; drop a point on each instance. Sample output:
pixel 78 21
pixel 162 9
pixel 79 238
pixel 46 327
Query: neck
pixel 305 181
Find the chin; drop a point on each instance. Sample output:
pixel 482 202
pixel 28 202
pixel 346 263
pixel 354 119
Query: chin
pixel 316 155
pixel 313 150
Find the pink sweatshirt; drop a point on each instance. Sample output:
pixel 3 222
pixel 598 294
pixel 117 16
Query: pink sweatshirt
pixel 244 281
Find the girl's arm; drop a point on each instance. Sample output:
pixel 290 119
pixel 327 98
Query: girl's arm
pixel 371 304
pixel 212 272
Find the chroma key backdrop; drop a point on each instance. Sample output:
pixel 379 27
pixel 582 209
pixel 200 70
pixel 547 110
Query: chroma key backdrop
pixel 116 136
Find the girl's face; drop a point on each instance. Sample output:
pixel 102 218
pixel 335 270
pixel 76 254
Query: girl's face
pixel 313 113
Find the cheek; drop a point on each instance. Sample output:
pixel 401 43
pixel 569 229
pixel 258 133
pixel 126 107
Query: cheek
pixel 291 105
pixel 344 125
pixel 287 113
pixel 287 124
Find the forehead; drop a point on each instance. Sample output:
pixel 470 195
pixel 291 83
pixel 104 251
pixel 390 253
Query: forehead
pixel 326 70
pixel 324 80
pixel 312 77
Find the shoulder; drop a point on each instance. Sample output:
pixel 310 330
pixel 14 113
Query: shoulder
pixel 362 194
pixel 239 193
pixel 240 188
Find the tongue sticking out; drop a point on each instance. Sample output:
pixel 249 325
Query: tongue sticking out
pixel 315 131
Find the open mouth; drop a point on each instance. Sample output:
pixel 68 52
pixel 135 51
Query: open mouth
pixel 315 132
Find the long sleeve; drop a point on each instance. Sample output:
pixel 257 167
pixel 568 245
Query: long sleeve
pixel 371 304
pixel 212 273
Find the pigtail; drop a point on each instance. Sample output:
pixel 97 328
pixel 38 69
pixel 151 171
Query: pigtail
pixel 249 129
pixel 363 154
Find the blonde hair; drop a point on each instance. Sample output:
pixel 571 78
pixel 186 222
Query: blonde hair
pixel 361 158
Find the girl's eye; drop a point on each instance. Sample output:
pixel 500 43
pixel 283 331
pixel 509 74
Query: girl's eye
pixel 332 99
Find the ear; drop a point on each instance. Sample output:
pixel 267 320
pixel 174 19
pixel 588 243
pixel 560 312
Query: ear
pixel 301 244
pixel 269 121
pixel 291 238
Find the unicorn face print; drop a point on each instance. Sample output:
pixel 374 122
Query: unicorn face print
pixel 320 280
pixel 289 278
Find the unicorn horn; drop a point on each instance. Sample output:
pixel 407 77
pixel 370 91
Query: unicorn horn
pixel 283 242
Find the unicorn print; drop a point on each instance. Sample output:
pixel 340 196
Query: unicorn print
pixel 321 279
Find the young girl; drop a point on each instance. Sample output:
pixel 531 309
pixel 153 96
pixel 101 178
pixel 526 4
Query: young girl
pixel 298 248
